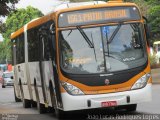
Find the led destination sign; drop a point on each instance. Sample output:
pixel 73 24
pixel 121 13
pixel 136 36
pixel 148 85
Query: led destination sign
pixel 96 16
pixel 100 15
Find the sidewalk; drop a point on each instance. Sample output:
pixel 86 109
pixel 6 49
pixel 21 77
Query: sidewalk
pixel 155 75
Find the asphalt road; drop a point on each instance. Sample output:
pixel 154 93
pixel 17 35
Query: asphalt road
pixel 10 109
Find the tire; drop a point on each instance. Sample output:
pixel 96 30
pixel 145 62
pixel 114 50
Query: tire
pixel 16 98
pixel 131 108
pixel 51 109
pixel 41 108
pixel 26 103
pixel 34 104
pixel 60 114
pixel 52 98
pixel 3 86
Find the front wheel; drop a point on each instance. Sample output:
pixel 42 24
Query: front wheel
pixel 34 104
pixel 26 103
pixel 3 86
pixel 59 113
pixel 41 108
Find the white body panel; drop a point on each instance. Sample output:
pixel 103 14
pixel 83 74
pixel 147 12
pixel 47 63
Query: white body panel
pixel 80 102
pixel 34 73
pixel 21 76
pixel 16 82
pixel 47 76
pixel 33 93
pixel 29 73
pixel 40 93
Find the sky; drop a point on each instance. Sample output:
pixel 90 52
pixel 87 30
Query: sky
pixel 1 38
pixel 44 5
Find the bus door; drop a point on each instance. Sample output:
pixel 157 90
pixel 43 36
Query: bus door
pixel 46 67
pixel 16 87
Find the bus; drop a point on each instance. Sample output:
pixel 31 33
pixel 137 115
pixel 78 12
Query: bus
pixel 83 56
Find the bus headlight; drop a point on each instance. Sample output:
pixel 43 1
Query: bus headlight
pixel 141 82
pixel 71 89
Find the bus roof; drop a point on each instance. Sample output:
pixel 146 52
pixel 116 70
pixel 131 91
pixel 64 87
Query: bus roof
pixel 79 4
pixel 93 4
pixel 70 7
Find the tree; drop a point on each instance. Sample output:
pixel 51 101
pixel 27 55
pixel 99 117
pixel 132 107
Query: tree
pixel 153 2
pixel 6 6
pixel 143 5
pixel 2 27
pixel 19 18
pixel 154 19
pixel 15 20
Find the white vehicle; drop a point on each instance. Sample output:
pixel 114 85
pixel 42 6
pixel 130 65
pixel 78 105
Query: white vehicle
pixel 7 79
pixel 156 46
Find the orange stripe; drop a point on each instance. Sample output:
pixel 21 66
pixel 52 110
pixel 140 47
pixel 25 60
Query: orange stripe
pixel 31 24
pixel 106 89
pixel 17 33
pixel 62 89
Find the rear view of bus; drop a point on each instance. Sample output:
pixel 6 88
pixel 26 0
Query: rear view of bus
pixel 102 57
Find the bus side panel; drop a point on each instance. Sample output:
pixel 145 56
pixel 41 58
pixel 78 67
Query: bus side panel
pixel 35 78
pixel 47 77
pixel 16 83
pixel 21 76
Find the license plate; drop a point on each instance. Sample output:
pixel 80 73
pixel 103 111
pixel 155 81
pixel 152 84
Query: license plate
pixel 109 103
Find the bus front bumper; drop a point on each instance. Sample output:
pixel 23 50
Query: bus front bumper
pixel 96 101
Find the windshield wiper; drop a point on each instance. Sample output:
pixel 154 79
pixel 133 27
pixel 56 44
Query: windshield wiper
pixel 85 37
pixel 110 40
pixel 114 33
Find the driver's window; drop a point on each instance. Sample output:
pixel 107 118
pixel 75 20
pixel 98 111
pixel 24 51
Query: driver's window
pixel 47 41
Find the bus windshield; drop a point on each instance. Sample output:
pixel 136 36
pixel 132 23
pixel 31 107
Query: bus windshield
pixel 114 48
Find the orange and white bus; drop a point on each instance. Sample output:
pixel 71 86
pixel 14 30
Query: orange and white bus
pixel 83 56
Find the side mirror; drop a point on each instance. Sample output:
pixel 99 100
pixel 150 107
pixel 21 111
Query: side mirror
pixel 12 77
pixel 52 29
pixel 147 28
